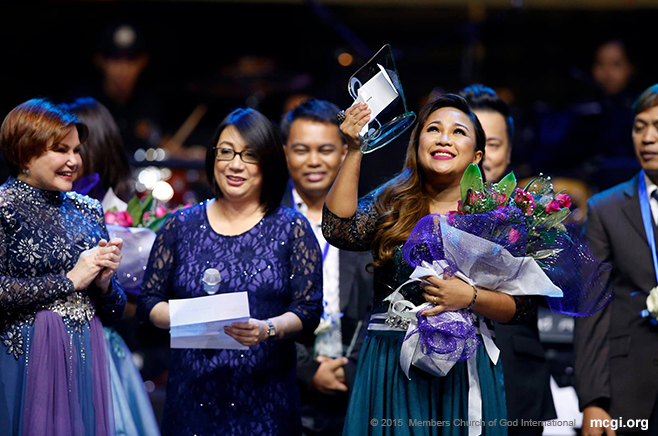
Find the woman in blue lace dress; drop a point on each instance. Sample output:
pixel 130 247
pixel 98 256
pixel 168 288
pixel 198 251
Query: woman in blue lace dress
pixel 56 279
pixel 259 247
pixel 447 138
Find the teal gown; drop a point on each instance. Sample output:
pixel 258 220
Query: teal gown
pixel 383 401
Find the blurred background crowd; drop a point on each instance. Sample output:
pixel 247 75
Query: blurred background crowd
pixel 168 71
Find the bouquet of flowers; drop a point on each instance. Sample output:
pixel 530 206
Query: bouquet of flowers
pixel 504 238
pixel 141 213
pixel 137 225
pixel 542 208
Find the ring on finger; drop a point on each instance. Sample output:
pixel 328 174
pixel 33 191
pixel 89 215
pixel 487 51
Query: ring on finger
pixel 435 300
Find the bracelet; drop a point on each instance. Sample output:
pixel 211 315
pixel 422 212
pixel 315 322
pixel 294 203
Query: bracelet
pixel 475 297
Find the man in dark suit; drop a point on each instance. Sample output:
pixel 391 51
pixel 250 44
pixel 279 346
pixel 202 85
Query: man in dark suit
pixel 315 149
pixel 525 368
pixel 617 349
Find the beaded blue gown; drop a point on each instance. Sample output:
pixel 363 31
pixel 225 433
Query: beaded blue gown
pixel 279 264
pixel 383 401
pixel 54 370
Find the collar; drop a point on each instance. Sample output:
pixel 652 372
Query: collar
pixel 298 202
pixel 36 195
pixel 651 187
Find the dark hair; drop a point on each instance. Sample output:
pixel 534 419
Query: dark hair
pixel 31 128
pixel 613 40
pixel 103 151
pixel 402 201
pixel 646 100
pixel 263 139
pixel 320 111
pixel 480 97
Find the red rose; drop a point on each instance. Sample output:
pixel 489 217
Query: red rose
pixel 564 199
pixel 553 206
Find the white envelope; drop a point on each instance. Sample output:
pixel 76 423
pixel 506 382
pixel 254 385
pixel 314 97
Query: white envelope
pixel 199 322
pixel 377 93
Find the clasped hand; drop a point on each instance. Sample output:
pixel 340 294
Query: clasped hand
pixel 329 378
pixel 97 265
pixel 451 293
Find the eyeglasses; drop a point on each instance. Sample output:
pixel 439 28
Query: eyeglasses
pixel 227 154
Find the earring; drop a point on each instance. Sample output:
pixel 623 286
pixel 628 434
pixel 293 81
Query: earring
pixel 26 171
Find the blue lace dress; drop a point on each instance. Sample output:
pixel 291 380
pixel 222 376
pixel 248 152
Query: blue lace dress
pixel 279 263
pixel 54 375
pixel 383 400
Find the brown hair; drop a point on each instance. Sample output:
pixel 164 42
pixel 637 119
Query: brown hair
pixel 402 201
pixel 31 128
pixel 646 100
pixel 103 151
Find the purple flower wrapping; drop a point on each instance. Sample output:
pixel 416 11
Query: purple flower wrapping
pixel 452 335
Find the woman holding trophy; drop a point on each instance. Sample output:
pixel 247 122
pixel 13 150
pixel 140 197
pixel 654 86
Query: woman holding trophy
pixel 386 401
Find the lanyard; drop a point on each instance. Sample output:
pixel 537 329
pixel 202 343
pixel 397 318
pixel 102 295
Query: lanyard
pixel 325 251
pixel 645 207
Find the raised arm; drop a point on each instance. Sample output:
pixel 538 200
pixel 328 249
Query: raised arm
pixel 343 195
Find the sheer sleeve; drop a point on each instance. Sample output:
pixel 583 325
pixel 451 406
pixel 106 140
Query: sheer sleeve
pixel 354 233
pixel 157 282
pixel 306 275
pixel 16 293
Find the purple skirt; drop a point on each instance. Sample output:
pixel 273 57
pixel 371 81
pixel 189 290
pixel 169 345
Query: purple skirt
pixel 60 385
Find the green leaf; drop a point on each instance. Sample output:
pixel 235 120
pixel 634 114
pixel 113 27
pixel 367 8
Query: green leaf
pixel 471 180
pixel 157 223
pixel 135 210
pixel 507 185
pixel 556 217
pixel 147 203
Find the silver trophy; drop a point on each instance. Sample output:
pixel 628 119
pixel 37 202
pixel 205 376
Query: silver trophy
pixel 377 84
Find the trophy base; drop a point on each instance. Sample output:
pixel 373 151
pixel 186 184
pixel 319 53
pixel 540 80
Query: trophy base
pixel 388 132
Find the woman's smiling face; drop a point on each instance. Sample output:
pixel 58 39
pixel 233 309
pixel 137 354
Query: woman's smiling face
pixel 446 145
pixel 55 169
pixel 238 181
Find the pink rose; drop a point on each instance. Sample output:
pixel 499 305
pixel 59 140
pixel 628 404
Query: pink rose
pixel 110 217
pixel 553 206
pixel 124 219
pixel 146 217
pixel 513 235
pixel 160 211
pixel 498 197
pixel 520 196
pixel 564 199
pixel 530 208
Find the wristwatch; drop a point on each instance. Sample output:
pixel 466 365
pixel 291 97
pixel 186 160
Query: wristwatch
pixel 271 331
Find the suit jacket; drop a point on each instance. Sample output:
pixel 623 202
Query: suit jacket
pixel 616 349
pixel 325 414
pixel 526 371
